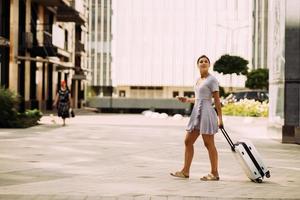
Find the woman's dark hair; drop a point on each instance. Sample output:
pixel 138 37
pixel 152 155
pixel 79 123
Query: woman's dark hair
pixel 203 56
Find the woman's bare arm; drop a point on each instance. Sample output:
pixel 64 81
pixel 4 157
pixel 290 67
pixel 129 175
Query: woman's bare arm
pixel 55 100
pixel 70 100
pixel 218 107
pixel 190 100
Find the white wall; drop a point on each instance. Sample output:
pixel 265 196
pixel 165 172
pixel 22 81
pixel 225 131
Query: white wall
pixel 157 42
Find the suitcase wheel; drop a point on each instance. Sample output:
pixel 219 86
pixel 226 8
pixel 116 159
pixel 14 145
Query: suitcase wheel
pixel 258 180
pixel 268 175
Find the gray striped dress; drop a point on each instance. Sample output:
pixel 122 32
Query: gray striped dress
pixel 204 118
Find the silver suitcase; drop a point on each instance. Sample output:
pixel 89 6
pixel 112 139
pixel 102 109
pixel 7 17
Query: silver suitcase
pixel 249 159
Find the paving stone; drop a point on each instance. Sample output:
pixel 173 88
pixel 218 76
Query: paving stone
pixel 120 157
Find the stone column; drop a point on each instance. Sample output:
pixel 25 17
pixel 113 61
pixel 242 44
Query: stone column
pixel 27 54
pixel 291 127
pixel 75 97
pixel 276 64
pixel 14 31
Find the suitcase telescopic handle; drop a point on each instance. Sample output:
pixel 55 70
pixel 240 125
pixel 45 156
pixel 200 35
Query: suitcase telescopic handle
pixel 228 138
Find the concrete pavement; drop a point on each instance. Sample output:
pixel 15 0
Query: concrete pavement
pixel 112 156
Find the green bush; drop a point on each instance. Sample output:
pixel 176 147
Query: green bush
pixel 8 111
pixel 258 79
pixel 28 118
pixel 10 117
pixel 246 107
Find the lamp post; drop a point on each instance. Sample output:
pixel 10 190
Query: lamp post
pixel 232 30
pixel 232 26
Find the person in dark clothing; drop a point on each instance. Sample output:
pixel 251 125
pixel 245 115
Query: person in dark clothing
pixel 63 102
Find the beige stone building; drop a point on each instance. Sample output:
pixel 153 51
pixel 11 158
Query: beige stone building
pixel 46 44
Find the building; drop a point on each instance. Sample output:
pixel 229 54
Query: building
pixel 260 34
pixel 291 74
pixel 155 45
pixel 45 44
pixel 280 20
pixel 276 62
pixel 100 47
pixel 4 41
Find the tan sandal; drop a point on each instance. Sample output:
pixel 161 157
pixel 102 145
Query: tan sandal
pixel 179 175
pixel 210 177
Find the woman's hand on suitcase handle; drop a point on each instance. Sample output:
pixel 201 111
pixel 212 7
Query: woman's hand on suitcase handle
pixel 182 99
pixel 220 124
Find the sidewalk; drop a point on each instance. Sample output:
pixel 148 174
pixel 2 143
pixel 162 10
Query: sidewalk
pixel 112 156
pixel 78 111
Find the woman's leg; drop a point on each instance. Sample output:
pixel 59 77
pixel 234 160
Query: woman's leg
pixel 189 141
pixel 209 143
pixel 64 121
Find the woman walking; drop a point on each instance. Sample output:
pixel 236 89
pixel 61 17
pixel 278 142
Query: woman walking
pixel 204 120
pixel 63 98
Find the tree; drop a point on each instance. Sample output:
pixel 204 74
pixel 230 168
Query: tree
pixel 258 79
pixel 231 64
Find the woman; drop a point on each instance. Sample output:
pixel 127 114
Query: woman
pixel 63 98
pixel 204 120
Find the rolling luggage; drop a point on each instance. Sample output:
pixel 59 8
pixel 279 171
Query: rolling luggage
pixel 249 159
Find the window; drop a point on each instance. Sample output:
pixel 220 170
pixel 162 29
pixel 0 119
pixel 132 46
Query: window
pixel 175 93
pixel 122 93
pixel 66 40
pixel 188 94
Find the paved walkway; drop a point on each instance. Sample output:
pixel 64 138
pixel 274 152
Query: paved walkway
pixel 111 156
